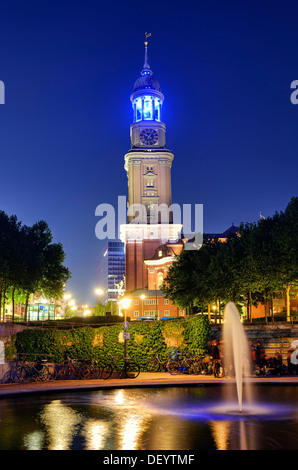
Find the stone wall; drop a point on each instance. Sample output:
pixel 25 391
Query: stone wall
pixel 7 330
pixel 273 337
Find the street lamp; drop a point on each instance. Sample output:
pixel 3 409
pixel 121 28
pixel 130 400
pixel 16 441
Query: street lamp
pixel 125 303
pixel 99 291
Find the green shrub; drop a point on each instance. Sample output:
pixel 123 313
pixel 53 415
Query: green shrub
pixel 98 344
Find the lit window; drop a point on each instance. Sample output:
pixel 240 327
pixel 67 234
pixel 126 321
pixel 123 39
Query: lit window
pixel 147 108
pixel 138 105
pixel 160 279
pixel 150 301
pixel 151 313
pixel 148 111
pixel 157 107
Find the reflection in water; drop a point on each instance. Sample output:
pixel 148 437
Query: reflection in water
pixel 152 419
pixel 60 422
pixel 34 440
pixel 95 433
pixel 133 419
pixel 220 431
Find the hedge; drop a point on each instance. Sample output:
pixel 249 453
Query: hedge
pixel 190 336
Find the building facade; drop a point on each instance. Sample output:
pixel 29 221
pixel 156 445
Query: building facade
pixel 110 270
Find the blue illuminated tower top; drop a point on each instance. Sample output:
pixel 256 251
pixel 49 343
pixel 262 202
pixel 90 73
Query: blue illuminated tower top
pixel 147 129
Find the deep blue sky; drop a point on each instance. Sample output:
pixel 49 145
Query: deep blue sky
pixel 225 68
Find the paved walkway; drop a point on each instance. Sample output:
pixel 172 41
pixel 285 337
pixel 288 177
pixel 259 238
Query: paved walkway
pixel 145 379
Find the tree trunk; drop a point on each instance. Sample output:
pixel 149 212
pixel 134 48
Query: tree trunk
pixel 4 302
pixel 250 307
pixel 209 312
pixel 26 306
pixel 265 306
pixel 12 300
pixel 288 304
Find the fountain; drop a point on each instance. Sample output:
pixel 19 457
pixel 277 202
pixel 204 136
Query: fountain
pixel 236 351
pixel 157 418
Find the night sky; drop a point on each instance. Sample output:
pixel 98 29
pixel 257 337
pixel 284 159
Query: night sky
pixel 225 68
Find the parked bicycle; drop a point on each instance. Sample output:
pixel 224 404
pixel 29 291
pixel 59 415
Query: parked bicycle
pixel 90 370
pixel 15 369
pixel 127 368
pixel 32 372
pixel 180 366
pixel 155 364
pixel 72 370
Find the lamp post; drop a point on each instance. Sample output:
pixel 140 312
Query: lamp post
pixel 143 297
pixel 125 303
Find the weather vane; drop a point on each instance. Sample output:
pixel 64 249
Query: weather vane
pixel 147 35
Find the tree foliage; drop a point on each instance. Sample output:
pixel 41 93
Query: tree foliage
pixel 247 268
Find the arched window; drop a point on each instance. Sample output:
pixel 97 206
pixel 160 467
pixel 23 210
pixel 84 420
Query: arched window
pixel 160 279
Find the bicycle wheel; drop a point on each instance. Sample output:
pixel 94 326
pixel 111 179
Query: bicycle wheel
pixel 44 374
pixel 106 372
pixel 14 374
pixel 152 365
pixel 197 368
pixel 53 372
pixel 131 369
pixel 174 367
pixel 94 372
pixel 64 373
pixel 21 374
pixel 84 371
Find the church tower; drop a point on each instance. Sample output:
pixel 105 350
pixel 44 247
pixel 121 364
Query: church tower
pixel 148 165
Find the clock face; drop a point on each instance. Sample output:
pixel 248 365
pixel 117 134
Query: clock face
pixel 149 136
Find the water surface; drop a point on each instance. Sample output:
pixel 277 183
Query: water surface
pixel 178 418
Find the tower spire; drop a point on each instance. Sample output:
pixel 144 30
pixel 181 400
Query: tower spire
pixel 146 68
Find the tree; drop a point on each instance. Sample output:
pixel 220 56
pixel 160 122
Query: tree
pixel 180 284
pixel 29 262
pixel 245 269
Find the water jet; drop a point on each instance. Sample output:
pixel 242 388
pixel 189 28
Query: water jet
pixel 236 351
